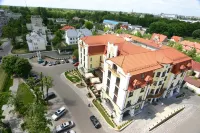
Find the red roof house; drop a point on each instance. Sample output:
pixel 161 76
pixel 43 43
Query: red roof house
pixel 67 27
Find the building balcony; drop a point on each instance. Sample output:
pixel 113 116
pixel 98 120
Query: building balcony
pixel 114 71
pixel 157 95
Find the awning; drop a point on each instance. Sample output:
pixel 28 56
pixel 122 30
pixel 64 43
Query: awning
pixel 89 75
pixel 95 80
pixel 98 86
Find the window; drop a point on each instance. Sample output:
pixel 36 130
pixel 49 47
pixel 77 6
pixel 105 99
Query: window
pixel 116 91
pixel 90 65
pixel 152 91
pixel 100 58
pixel 91 59
pixel 107 90
pixel 70 38
pixel 160 83
pixel 142 90
pixel 109 74
pixel 175 76
pixel 128 104
pixel 155 83
pixel 158 74
pixel 117 81
pixel 182 74
pixel 114 99
pixel 130 94
pixel 108 82
pixel 114 67
pixel 140 99
pixel 163 74
pixel 168 70
pixel 165 78
pixel 142 75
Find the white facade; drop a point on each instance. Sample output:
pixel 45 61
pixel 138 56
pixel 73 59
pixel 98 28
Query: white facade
pixel 73 35
pixel 13 15
pixel 36 42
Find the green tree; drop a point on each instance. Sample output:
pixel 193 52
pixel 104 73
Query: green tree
pixel 106 29
pixel 36 120
pixel 22 67
pixel 42 84
pixel 178 46
pixel 8 64
pixel 48 83
pixel 89 25
pixel 192 53
pixel 138 34
pixel 75 53
pixel 118 26
pixel 10 32
pixel 196 33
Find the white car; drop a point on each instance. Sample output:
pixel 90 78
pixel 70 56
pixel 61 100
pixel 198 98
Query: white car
pixel 58 113
pixel 70 131
pixel 64 126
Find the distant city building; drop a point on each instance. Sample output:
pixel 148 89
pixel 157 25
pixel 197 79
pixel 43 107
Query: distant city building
pixel 3 20
pixel 111 24
pixel 12 15
pixel 73 35
pixel 61 21
pixel 169 16
pixel 36 41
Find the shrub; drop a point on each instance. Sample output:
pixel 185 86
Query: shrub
pixel 193 91
pixel 198 94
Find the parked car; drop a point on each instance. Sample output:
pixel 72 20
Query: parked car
pixel 62 61
pixel 57 62
pixel 50 63
pixel 45 63
pixel 50 96
pixel 95 121
pixel 70 131
pixel 64 126
pixel 54 63
pixel 67 61
pixel 59 113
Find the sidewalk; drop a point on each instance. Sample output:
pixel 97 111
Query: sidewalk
pixel 11 117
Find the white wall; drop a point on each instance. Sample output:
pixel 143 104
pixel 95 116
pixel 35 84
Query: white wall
pixel 192 87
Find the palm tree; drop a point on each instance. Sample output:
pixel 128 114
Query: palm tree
pixel 31 83
pixel 48 82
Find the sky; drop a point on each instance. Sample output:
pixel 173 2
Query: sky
pixel 181 7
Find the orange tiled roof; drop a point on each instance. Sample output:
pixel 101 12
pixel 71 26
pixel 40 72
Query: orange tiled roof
pixel 67 27
pixel 161 38
pixel 195 66
pixel 94 50
pixel 189 45
pixel 176 38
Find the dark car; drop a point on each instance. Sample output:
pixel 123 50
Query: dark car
pixel 95 121
pixel 67 61
pixel 54 63
pixel 45 63
pixel 50 96
pixel 57 62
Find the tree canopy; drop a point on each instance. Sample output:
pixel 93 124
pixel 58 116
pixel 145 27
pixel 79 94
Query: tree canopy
pixel 196 33
pixel 89 25
pixel 16 65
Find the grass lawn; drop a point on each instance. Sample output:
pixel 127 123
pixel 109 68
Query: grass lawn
pixel 101 110
pixel 20 51
pixel 192 39
pixel 3 77
pixel 24 94
pixel 73 76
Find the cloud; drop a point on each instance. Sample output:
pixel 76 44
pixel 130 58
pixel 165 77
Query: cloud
pixel 183 7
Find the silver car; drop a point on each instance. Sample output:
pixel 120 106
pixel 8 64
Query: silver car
pixel 64 126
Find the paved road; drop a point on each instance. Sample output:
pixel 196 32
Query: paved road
pixel 6 49
pixel 80 112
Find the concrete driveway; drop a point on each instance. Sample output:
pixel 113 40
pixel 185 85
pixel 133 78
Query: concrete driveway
pixel 79 110
pixel 6 48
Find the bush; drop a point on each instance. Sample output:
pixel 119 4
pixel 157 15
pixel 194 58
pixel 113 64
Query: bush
pixel 198 94
pixel 193 91
pixel 89 95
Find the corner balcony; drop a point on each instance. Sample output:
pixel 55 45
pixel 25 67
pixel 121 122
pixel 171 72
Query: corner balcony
pixel 157 95
pixel 114 71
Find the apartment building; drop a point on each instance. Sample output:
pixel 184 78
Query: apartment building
pixel 3 20
pixel 135 71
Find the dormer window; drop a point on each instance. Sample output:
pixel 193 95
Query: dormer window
pixel 114 67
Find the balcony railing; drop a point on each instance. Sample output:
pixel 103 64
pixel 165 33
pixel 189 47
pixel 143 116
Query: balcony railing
pixel 114 72
pixel 157 95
